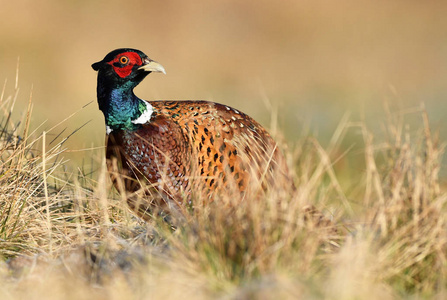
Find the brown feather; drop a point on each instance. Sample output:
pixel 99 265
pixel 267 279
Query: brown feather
pixel 194 148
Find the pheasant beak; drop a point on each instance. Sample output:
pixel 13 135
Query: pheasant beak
pixel 152 66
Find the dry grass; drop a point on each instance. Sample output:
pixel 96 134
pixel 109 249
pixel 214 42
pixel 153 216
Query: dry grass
pixel 63 235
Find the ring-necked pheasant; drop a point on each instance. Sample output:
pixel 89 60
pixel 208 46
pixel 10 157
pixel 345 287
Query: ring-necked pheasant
pixel 179 148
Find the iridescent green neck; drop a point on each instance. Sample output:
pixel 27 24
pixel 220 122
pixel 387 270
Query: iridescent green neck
pixel 122 109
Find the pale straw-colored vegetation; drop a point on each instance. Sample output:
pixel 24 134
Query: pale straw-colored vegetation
pixel 66 235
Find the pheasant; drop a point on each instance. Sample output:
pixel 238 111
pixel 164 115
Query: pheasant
pixel 178 150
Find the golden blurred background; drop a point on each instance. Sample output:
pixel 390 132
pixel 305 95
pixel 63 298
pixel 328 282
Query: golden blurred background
pixel 313 60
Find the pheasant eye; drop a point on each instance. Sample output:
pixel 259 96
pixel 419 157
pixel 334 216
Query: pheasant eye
pixel 124 60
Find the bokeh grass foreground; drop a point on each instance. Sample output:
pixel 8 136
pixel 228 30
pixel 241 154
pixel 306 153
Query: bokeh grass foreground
pixel 64 235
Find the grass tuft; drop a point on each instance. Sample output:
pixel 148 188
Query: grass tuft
pixel 68 235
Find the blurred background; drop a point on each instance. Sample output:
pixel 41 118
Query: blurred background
pixel 312 61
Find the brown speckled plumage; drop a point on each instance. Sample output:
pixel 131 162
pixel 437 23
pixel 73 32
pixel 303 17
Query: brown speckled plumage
pixel 186 140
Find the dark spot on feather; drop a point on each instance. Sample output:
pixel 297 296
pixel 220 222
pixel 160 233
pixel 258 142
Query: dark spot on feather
pixel 211 182
pixel 222 148
pixel 215 157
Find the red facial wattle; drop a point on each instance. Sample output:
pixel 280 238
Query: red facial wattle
pixel 124 70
